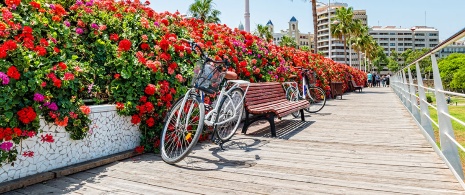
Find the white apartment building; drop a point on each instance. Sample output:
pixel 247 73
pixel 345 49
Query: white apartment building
pixel 455 47
pixel 302 39
pixel 400 39
pixel 324 15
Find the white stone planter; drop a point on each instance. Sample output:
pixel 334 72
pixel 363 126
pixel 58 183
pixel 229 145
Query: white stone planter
pixel 109 134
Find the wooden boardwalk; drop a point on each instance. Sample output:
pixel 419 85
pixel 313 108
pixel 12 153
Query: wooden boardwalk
pixel 366 143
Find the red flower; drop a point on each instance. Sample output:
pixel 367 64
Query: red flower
pixel 165 22
pixel 145 46
pixel 27 115
pixel 116 76
pixel 10 45
pixel 57 83
pixel 17 131
pixel 85 109
pixel 11 3
pixel 119 105
pixel 164 44
pixel 35 4
pixel 139 149
pixel 149 106
pixel 114 37
pixel 56 50
pixel 47 138
pixel 44 42
pixel 124 45
pixel 69 76
pixel 150 122
pixel 135 119
pixel 13 73
pixel 40 51
pixel 62 66
pixel 28 154
pixel 27 30
pixel 143 99
pixel 150 89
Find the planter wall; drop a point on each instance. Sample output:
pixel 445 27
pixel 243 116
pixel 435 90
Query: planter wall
pixel 109 134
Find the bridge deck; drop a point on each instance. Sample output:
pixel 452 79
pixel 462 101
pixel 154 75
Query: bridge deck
pixel 364 144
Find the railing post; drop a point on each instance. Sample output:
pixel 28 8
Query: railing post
pixel 449 149
pixel 407 103
pixel 413 97
pixel 425 122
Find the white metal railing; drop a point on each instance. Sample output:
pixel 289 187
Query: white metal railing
pixel 406 90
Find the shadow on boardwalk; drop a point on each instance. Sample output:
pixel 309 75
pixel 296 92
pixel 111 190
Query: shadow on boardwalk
pixel 352 147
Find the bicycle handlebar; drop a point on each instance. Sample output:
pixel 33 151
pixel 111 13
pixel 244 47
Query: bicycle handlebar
pixel 194 45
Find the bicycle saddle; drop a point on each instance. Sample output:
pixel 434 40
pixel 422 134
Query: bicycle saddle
pixel 230 75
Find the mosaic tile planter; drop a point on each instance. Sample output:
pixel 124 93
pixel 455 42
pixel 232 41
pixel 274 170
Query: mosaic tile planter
pixel 109 134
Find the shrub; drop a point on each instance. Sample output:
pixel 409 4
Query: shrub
pixel 54 56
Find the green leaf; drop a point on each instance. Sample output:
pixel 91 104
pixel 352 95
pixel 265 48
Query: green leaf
pixel 126 74
pixel 9 115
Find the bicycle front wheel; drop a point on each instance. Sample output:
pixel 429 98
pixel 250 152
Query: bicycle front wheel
pixel 317 98
pixel 292 94
pixel 182 129
pixel 231 105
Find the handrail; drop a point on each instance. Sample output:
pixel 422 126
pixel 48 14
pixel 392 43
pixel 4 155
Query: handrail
pixel 407 92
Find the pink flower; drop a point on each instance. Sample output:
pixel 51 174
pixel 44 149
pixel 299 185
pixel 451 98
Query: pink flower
pixel 6 146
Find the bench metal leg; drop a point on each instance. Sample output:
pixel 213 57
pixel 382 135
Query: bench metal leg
pixel 302 114
pixel 272 126
pixel 246 122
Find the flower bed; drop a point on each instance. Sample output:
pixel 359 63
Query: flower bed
pixel 53 56
pixel 109 134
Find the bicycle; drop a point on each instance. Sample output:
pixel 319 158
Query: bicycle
pixel 185 121
pixel 315 95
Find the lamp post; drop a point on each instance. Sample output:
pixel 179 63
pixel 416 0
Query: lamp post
pixel 413 38
pixel 247 16
pixel 329 29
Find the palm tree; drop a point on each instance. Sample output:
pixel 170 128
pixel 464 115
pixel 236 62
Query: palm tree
pixel 315 25
pixel 343 27
pixel 203 10
pixel 288 42
pixel 264 32
pixel 359 41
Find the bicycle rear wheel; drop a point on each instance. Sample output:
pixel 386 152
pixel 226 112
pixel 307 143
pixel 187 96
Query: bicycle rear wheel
pixel 230 104
pixel 292 94
pixel 182 129
pixel 317 98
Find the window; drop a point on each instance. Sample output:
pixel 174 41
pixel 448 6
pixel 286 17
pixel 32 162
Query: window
pixel 419 34
pixel 392 44
pixel 392 33
pixel 433 34
pixel 400 33
pixel 373 33
pixel 433 45
pixel 400 49
pixel 420 40
pixel 392 39
pixel 293 26
pixel 433 40
pixel 407 33
pixel 401 44
pixel 401 39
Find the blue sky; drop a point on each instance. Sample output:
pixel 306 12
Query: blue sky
pixel 445 15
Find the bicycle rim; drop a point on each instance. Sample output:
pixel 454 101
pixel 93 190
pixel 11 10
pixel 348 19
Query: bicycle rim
pixel 292 94
pixel 227 107
pixel 317 99
pixel 182 129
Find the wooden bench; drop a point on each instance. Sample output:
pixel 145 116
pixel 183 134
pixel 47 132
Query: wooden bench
pixel 267 100
pixel 356 86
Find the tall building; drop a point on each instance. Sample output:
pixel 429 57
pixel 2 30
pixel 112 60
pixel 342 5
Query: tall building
pixel 324 15
pixel 400 39
pixel 455 47
pixel 302 39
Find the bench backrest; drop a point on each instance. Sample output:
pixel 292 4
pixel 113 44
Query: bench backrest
pixel 354 84
pixel 259 93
